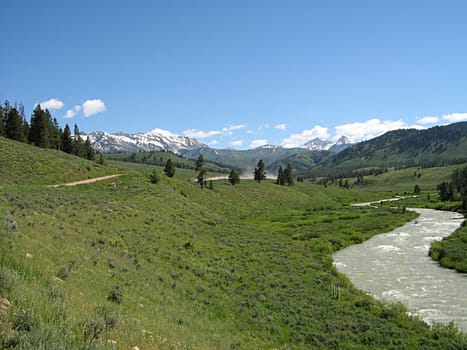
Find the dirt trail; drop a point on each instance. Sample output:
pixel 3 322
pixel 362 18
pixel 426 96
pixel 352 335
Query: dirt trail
pixel 88 181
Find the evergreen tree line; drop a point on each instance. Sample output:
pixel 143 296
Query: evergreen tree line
pixel 455 189
pixel 42 131
pixel 285 177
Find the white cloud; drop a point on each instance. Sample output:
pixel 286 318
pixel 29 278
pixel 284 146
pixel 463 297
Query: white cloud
pixel 237 143
pixel 455 117
pixel 298 140
pixel 369 129
pixel 199 134
pixel 281 127
pixel 427 120
pixel 230 129
pixel 213 143
pixel 53 103
pixel 72 112
pixel 258 143
pixel 91 107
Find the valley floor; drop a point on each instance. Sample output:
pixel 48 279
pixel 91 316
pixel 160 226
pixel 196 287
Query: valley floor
pixel 173 266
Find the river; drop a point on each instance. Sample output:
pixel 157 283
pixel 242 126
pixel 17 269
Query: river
pixel 395 266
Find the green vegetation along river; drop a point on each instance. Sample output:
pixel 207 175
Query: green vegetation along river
pixel 395 266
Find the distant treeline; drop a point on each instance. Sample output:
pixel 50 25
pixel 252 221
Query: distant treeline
pixel 456 189
pixel 159 158
pixel 42 131
pixel 151 158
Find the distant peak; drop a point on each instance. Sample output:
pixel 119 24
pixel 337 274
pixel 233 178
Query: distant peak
pixel 344 140
pixel 318 144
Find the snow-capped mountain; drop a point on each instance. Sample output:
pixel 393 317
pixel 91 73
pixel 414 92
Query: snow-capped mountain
pixel 341 144
pixel 155 140
pixel 163 140
pixel 318 145
pixel 325 145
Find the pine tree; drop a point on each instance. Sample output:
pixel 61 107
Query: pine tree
pixel 416 190
pixel 25 125
pixel 202 178
pixel 280 177
pixel 169 169
pixel 67 141
pixel 14 126
pixel 154 177
pixel 78 145
pixel 234 177
pixel 199 163
pixel 2 122
pixel 260 173
pixel 55 135
pixel 89 152
pixel 288 173
pixel 101 160
pixel 39 128
pixel 202 173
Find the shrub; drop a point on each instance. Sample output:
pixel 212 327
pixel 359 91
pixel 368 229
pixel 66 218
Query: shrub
pixel 11 225
pixel 154 177
pixel 109 316
pixel 116 294
pixel 7 279
pixel 25 320
pixel 93 330
pixel 63 273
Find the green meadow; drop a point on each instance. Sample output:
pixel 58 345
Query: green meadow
pixel 123 263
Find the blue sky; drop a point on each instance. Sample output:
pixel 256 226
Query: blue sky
pixel 237 73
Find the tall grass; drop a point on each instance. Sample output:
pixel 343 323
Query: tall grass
pixel 172 266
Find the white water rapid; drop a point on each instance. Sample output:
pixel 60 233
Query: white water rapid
pixel 395 266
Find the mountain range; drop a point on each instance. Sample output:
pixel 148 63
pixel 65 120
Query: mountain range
pixel 302 158
pixel 399 148
pixel 163 140
pixel 154 140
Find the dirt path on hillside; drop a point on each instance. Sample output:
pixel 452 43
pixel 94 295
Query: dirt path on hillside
pixel 88 181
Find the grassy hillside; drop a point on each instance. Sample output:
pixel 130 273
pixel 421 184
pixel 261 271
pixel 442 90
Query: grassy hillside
pixel 23 165
pixel 171 266
pixel 397 182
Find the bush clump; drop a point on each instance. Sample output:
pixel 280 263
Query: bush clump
pixel 63 273
pixel 154 177
pixel 7 279
pixel 116 294
pixel 25 320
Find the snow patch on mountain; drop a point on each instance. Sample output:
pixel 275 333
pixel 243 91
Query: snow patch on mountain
pixel 326 145
pixel 154 140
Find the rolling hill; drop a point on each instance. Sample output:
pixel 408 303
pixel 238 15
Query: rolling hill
pixel 172 266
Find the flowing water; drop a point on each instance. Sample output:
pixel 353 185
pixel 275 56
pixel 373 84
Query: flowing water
pixel 395 266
